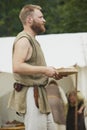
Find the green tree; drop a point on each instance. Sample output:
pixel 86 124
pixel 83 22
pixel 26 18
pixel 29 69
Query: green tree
pixel 62 16
pixel 73 16
pixel 9 21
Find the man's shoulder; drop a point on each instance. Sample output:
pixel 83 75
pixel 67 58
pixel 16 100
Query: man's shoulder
pixel 21 34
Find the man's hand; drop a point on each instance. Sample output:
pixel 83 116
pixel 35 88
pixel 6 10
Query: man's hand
pixel 53 73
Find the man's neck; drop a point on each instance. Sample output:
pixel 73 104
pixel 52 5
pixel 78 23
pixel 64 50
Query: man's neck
pixel 30 32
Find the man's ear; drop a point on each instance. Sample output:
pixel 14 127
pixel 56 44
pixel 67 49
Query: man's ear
pixel 29 19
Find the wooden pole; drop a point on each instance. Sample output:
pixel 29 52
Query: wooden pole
pixel 76 117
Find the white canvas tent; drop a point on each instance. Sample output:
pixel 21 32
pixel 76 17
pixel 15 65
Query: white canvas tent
pixel 60 50
pixel 69 49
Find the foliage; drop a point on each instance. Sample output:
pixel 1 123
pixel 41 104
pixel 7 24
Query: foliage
pixel 73 16
pixel 62 16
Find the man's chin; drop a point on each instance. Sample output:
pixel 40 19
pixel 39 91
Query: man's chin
pixel 44 29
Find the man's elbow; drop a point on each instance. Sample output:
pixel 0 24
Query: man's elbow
pixel 16 69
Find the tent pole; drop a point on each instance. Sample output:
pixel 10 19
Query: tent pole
pixel 76 117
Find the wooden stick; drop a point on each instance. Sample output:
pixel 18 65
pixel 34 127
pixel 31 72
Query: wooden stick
pixel 76 117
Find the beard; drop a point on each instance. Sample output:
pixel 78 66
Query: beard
pixel 38 28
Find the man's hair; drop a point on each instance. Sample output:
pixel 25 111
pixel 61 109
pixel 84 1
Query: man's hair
pixel 27 10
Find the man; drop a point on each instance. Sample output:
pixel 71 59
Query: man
pixel 58 102
pixel 71 119
pixel 31 73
